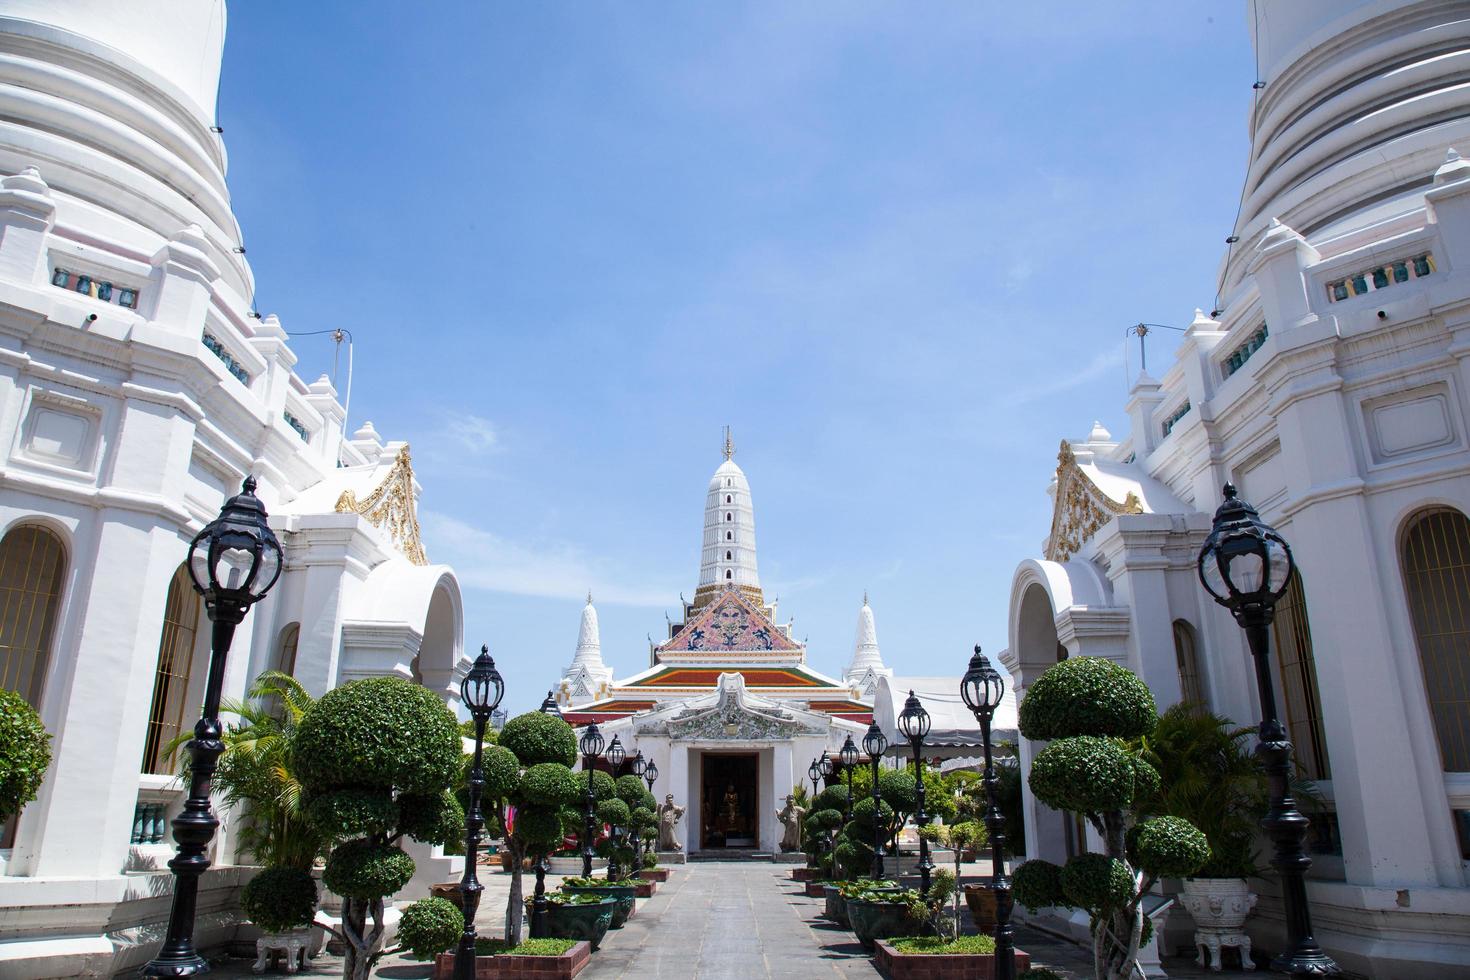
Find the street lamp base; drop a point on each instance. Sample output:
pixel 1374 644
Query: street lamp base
pixel 1305 963
pixel 192 965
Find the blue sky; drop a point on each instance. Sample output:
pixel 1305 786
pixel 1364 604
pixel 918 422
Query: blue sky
pixel 895 246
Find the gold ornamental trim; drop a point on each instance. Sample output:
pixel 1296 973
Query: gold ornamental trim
pixel 392 506
pixel 1081 508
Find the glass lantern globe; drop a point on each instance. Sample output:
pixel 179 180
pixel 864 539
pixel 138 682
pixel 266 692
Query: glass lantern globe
pixel 914 721
pixel 482 688
pixel 591 742
pixel 639 765
pixel 875 743
pixel 615 753
pixel 650 774
pixel 824 766
pixel 1244 562
pixel 848 753
pixel 236 559
pixel 982 686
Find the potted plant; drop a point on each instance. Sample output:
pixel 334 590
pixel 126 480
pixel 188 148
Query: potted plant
pixel 625 895
pixel 1086 708
pixel 965 838
pixel 875 915
pixel 25 753
pixel 581 915
pixel 281 902
pixel 1210 778
pixel 375 759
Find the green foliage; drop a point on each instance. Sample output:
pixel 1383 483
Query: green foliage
pixel 614 811
pixel 502 771
pixel 535 738
pixel 549 784
pixel 936 946
pixel 1040 973
pixel 825 819
pixel 1037 884
pixel 941 887
pixel 603 786
pixel 650 859
pixel 467 730
pixel 1087 696
pixel 1009 800
pixel 630 790
pixel 529 947
pixel 352 812
pixel 862 815
pixel 280 899
pixel 1097 883
pixel 430 926
pixel 383 732
pixel 538 826
pixel 1084 774
pixel 1211 779
pixel 834 797
pixel 430 818
pixel 367 870
pixel 25 753
pixel 1168 847
pixel 643 818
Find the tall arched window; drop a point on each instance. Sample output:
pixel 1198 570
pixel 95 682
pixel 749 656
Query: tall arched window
pixel 171 677
pixel 729 535
pixel 727 556
pixel 32 566
pixel 1191 688
pixel 1436 564
pixel 286 655
pixel 1300 702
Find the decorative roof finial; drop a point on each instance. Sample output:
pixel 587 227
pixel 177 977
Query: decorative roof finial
pixel 865 597
pixel 729 444
pixel 589 597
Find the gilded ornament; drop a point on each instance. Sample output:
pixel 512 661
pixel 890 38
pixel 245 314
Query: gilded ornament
pixel 1081 508
pixel 392 505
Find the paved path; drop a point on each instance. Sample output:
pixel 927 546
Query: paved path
pixel 736 920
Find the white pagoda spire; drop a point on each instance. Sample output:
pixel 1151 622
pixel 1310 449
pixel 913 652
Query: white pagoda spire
pixel 867 661
pixel 727 559
pixel 587 677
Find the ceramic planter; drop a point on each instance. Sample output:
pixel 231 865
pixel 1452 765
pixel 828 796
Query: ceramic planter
pixel 626 896
pixel 835 907
pixel 981 900
pixel 872 921
pixel 589 922
pixel 1218 904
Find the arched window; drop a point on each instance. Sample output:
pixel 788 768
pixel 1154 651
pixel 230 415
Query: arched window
pixel 1436 565
pixel 1300 702
pixel 171 677
pixel 286 655
pixel 728 574
pixel 727 556
pixel 1191 688
pixel 728 498
pixel 729 535
pixel 32 566
pixel 727 481
pixel 729 516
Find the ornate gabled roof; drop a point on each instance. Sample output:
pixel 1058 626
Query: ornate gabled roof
pixel 681 676
pixel 732 623
pixel 393 505
pixel 1081 508
pixel 731 712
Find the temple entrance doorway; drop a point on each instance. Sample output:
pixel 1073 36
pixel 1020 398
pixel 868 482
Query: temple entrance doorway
pixel 729 801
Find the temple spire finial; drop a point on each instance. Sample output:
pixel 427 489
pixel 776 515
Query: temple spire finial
pixel 589 597
pixel 729 444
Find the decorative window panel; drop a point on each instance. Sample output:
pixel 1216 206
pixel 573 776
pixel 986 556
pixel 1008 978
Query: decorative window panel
pixel 1292 633
pixel 173 672
pixel 1380 277
pixel 32 566
pixel 95 287
pixel 1243 353
pixel 1174 418
pixel 1436 564
pixel 231 365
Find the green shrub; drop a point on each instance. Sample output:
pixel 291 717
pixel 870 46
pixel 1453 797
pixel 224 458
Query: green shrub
pixel 934 945
pixel 1037 884
pixel 535 738
pixel 1087 696
pixel 1040 973
pixel 630 789
pixel 502 772
pixel 825 819
pixel 614 811
pixel 549 784
pixel 1096 881
pixel 280 899
pixel 25 753
pixel 430 926
pixel 1168 847
pixel 382 732
pixel 603 786
pixel 539 826
pixel 832 798
pixel 365 869
pixel 1084 774
pixel 352 811
pixel 431 819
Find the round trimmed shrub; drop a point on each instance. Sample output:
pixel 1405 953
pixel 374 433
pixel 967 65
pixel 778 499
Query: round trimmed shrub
pixel 1088 696
pixel 280 899
pixel 896 787
pixel 831 798
pixel 1096 882
pixel 539 826
pixel 1146 780
pixel 431 819
pixel 1037 884
pixel 501 769
pixel 1169 847
pixel 630 789
pixel 549 784
pixel 614 812
pixel 382 732
pixel 1084 774
pixel 643 818
pixel 603 786
pixel 430 926
pixel 862 814
pixel 352 812
pixel 825 819
pixel 536 738
pixel 365 870
pixel 25 753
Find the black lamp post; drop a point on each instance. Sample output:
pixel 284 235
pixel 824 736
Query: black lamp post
pixel 1246 566
pixel 549 706
pixel 480 691
pixel 814 773
pixel 848 754
pixel 615 757
pixel 914 723
pixel 826 768
pixel 650 774
pixel 875 743
pixel 234 562
pixel 639 767
pixel 982 688
pixel 591 745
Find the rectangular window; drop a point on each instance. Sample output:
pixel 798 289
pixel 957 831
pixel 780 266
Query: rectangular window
pixel 1243 353
pixel 1299 698
pixel 233 366
pixel 1381 277
pixel 1174 418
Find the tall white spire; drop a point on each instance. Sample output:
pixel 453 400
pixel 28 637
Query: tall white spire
pixel 586 678
pixel 867 661
pixel 727 559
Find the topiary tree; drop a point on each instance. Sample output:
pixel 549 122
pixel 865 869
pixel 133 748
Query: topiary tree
pixel 429 927
pixel 25 752
pixel 375 759
pixel 539 751
pixel 1087 707
pixel 280 899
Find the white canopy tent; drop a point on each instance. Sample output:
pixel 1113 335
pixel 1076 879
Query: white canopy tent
pixel 954 733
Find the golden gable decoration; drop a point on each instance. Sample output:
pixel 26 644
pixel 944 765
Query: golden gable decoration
pixel 1081 508
pixel 392 505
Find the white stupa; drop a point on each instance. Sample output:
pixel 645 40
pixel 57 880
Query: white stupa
pixel 586 677
pixel 728 557
pixel 867 666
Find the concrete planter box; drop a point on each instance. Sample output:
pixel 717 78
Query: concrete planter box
pixel 504 967
pixel 940 966
pixel 872 921
pixel 815 889
pixel 835 908
pixel 645 889
pixel 654 874
pixel 804 874
pixel 626 896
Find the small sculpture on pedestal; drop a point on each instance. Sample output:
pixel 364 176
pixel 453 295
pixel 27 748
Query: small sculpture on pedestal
pixel 669 816
pixel 791 816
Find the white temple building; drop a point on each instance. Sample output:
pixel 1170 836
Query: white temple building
pixel 728 706
pixel 137 389
pixel 1331 387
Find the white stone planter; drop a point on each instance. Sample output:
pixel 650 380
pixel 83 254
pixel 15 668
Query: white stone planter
pixel 572 865
pixel 298 946
pixel 1219 907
